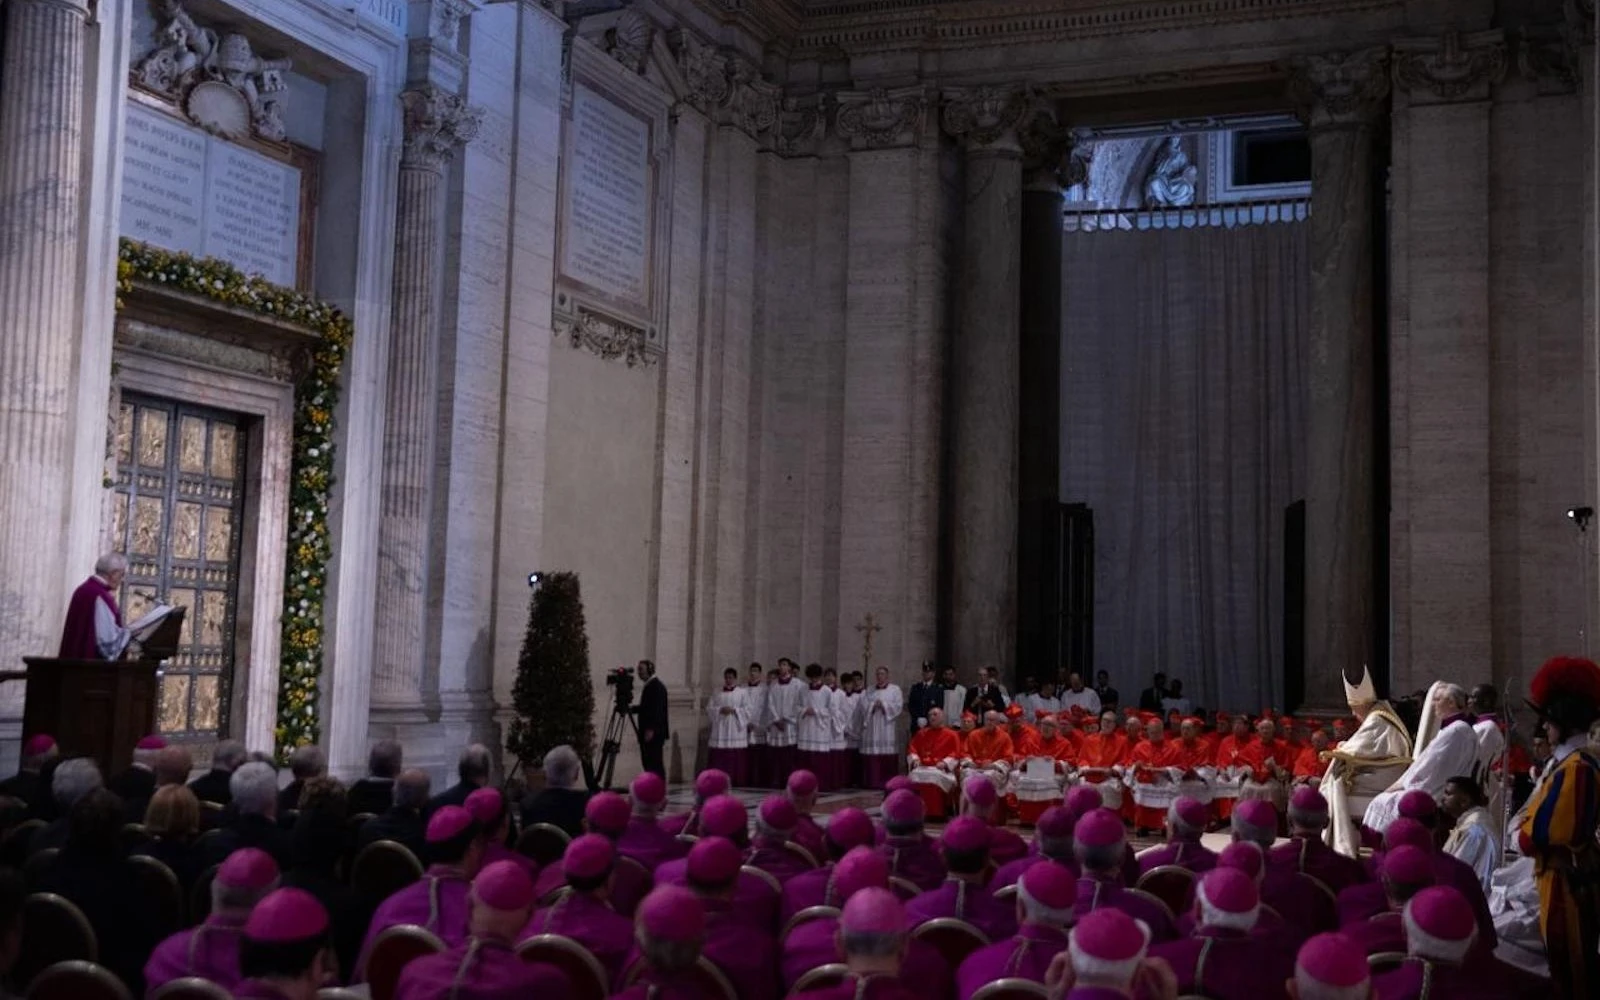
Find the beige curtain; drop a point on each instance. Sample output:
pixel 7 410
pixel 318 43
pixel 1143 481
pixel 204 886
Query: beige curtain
pixel 1184 420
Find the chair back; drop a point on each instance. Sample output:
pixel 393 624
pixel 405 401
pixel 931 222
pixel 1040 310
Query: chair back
pixel 953 938
pixel 904 888
pixel 641 874
pixel 710 982
pixel 807 915
pixel 38 863
pixel 821 978
pixel 15 843
pixel 395 949
pixel 769 879
pixel 133 837
pixel 383 868
pixel 1171 884
pixel 1007 893
pixel 190 988
pixel 1011 988
pixel 200 895
pixel 53 931
pixel 584 971
pixel 206 842
pixel 1385 961
pixel 543 842
pixel 1153 898
pixel 800 851
pixel 1325 909
pixel 77 980
pixel 162 894
pixel 688 839
pixel 339 993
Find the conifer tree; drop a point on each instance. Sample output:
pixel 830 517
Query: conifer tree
pixel 554 694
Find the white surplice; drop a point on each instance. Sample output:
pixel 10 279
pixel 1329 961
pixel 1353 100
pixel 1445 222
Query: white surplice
pixel 783 705
pixel 1491 744
pixel 729 719
pixel 1363 765
pixel 877 727
pixel 755 712
pixel 814 731
pixel 955 701
pixel 1453 752
pixel 1475 841
pixel 843 706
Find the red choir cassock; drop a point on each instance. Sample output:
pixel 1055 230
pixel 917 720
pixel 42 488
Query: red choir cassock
pixel 1154 790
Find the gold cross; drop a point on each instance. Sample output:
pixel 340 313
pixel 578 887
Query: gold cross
pixel 868 626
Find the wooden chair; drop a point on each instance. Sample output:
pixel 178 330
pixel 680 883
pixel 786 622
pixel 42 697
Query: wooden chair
pixel 710 982
pixel 1011 988
pixel 953 938
pixel 904 888
pixel 543 842
pixel 1007 894
pixel 54 931
pixel 77 980
pixel 339 993
pixel 688 839
pixel 1385 961
pixel 822 977
pixel 807 915
pixel 133 837
pixel 383 868
pixel 584 971
pixel 637 867
pixel 190 988
pixel 1171 884
pixel 394 949
pixel 162 893
pixel 34 868
pixel 1327 901
pixel 15 844
pixel 1152 897
pixel 200 895
pixel 553 897
pixel 800 851
pixel 204 843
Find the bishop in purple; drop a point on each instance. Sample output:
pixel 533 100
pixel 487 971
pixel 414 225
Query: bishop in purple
pixel 1105 952
pixel 644 840
pixel 285 950
pixel 671 930
pixel 211 950
pixel 745 952
pixel 583 914
pixel 437 901
pixel 1406 871
pixel 775 823
pixel 1045 895
pixel 1101 848
pixel 488 809
pixel 1305 850
pixel 802 791
pixel 1052 841
pixel 753 901
pixel 708 784
pixel 963 895
pixel 1223 959
pixel 848 828
pixel 607 815
pixel 872 937
pixel 93 628
pixel 911 855
pixel 1186 822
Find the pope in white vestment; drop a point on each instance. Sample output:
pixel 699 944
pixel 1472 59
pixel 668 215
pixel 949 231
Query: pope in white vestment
pixel 1363 765
pixel 1453 751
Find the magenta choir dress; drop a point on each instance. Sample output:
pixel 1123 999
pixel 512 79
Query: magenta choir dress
pixel 775 860
pixel 647 843
pixel 438 902
pixel 975 904
pixel 1227 965
pixel 481 969
pixel 1025 956
pixel 1190 854
pixel 606 933
pixel 210 951
pixel 1094 894
pixel 1326 865
pixel 812 945
pixel 918 861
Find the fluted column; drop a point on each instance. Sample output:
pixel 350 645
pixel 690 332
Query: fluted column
pixel 436 124
pixel 41 216
pixel 1341 94
pixel 984 381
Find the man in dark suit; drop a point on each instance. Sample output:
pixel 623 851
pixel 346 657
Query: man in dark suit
pixel 254 823
pixel 925 694
pixel 135 785
pixel 562 801
pixel 213 785
pixel 987 695
pixel 652 720
pixel 305 763
pixel 473 769
pixel 375 793
pixel 402 821
pixel 37 751
pixel 1150 697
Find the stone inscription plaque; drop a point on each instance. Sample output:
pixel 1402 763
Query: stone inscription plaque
pixel 185 190
pixel 608 191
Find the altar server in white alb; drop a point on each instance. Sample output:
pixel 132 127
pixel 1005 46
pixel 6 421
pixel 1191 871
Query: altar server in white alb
pixel 783 721
pixel 844 741
pixel 876 712
pixel 730 732
pixel 814 732
pixel 758 769
pixel 1484 704
pixel 1363 765
pixel 1446 747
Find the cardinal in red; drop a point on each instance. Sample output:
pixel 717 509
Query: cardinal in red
pixel 1155 767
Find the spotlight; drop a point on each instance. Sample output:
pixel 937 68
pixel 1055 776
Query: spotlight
pixel 1580 516
pixel 535 578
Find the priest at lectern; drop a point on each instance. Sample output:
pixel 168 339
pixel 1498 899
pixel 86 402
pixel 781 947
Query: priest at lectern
pixel 94 629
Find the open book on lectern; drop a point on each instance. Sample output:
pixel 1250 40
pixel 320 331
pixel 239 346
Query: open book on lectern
pixel 157 632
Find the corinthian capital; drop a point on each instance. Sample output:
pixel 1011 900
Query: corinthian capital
pixel 879 119
pixel 437 123
pixel 1050 151
pixel 984 117
pixel 1342 88
pixel 1451 68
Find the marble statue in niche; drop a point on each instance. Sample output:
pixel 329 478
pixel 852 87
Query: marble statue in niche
pixel 219 81
pixel 1171 183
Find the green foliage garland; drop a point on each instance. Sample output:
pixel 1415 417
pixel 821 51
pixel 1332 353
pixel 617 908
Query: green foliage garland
pixel 311 477
pixel 553 695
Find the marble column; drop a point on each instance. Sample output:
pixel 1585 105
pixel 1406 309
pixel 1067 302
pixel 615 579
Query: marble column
pixel 984 381
pixel 41 220
pixel 1442 367
pixel 1342 94
pixel 437 122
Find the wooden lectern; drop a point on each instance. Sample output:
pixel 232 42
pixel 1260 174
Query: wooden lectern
pixel 99 708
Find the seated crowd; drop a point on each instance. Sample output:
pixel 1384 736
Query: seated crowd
pixel 567 894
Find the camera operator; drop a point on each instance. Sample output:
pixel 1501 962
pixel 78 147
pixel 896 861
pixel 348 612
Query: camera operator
pixel 652 720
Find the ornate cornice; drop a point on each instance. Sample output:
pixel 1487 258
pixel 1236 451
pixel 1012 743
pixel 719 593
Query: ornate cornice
pixel 437 123
pixel 1451 68
pixel 1549 59
pixel 605 336
pixel 802 124
pixel 726 88
pixel 1342 88
pixel 628 41
pixel 1052 153
pixel 985 117
pixel 880 118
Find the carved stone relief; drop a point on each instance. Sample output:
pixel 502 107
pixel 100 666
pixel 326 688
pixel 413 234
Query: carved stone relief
pixel 605 336
pixel 1171 181
pixel 1048 148
pixel 1450 68
pixel 1342 88
pixel 628 41
pixel 879 119
pixel 437 123
pixel 984 116
pixel 1549 59
pixel 216 78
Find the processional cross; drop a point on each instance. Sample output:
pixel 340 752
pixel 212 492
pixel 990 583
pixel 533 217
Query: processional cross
pixel 868 626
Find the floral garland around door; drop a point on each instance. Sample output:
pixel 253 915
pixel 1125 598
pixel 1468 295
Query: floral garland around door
pixel 311 474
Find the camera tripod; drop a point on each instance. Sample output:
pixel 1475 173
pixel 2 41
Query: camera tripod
pixel 621 720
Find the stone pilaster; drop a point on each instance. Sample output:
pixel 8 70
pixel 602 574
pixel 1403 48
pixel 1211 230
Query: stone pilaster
pixel 985 391
pixel 1341 94
pixel 41 221
pixel 436 124
pixel 1440 353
